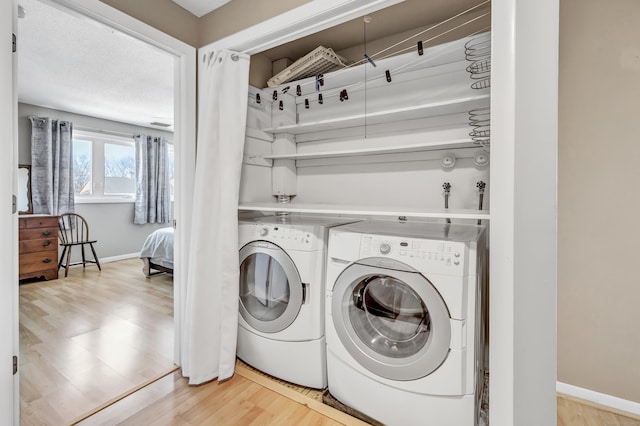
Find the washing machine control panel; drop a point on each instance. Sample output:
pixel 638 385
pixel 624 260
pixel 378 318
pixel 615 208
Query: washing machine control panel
pixel 290 237
pixel 435 256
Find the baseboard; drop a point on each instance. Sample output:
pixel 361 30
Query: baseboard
pixel 119 257
pixel 600 399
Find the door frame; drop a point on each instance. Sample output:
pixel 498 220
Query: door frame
pixel 184 134
pixel 9 382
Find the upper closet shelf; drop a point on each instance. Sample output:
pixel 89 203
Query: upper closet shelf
pixel 353 210
pixel 448 106
pixel 426 146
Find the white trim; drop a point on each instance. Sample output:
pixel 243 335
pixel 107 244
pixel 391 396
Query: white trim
pixel 9 383
pixel 307 19
pixel 119 257
pixel 103 136
pixel 599 398
pixel 523 269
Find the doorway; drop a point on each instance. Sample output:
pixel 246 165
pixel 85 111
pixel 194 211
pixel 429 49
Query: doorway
pixel 183 67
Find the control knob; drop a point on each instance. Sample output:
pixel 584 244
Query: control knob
pixel 385 248
pixel 263 231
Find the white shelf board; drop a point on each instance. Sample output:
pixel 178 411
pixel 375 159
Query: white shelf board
pixel 448 106
pixel 355 210
pixel 427 146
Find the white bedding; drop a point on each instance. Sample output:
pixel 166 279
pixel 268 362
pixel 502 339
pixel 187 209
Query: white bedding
pixel 159 247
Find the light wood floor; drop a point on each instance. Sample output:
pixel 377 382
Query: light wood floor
pixel 238 401
pixel 250 399
pixel 575 412
pixel 89 338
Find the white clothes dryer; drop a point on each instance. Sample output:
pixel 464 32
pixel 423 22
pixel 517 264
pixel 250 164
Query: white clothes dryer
pixel 281 324
pixel 404 318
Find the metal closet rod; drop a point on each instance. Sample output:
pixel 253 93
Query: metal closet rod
pixel 425 31
pixel 424 59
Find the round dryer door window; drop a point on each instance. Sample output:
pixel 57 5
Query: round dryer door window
pixel 270 288
pixel 391 320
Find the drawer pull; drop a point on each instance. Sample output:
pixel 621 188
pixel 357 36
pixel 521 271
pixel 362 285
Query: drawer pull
pixel 47 260
pixel 46 243
pixel 46 233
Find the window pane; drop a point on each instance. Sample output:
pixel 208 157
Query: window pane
pixel 119 169
pixel 82 167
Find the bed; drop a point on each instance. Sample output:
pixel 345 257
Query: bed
pixel 157 252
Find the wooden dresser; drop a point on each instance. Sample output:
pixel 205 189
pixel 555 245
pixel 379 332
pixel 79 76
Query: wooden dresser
pixel 38 239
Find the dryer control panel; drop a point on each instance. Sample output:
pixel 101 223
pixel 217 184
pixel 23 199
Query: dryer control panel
pixel 290 237
pixel 439 257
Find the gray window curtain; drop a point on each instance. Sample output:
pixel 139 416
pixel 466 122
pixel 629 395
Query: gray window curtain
pixel 51 166
pixel 152 180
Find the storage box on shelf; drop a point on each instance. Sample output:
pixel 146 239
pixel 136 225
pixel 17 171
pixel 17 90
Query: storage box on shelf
pixel 418 116
pixel 38 247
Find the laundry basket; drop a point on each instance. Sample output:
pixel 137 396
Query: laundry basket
pixel 321 59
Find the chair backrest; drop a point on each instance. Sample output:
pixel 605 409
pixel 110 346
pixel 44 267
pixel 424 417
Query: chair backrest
pixel 73 228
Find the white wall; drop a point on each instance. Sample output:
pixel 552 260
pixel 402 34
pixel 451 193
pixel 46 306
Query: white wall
pixel 411 180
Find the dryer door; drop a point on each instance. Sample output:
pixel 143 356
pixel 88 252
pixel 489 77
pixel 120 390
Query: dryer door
pixel 391 319
pixel 271 291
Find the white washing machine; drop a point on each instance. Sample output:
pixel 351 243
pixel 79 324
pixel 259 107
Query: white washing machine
pixel 405 336
pixel 282 294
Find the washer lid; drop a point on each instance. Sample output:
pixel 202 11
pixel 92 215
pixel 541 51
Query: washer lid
pixel 271 292
pixel 392 321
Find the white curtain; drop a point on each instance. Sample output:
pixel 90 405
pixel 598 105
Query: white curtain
pixel 210 322
pixel 153 204
pixel 51 166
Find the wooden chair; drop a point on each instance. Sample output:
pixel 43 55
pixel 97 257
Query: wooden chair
pixel 74 231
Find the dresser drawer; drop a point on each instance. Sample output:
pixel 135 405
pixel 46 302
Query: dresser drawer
pixel 39 261
pixel 38 247
pixel 39 222
pixel 29 246
pixel 38 233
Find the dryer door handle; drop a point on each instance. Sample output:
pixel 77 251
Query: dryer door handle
pixel 305 293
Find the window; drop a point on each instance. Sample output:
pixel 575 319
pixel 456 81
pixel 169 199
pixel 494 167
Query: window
pixel 82 166
pixel 119 169
pixel 104 168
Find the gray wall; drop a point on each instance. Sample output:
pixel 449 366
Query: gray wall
pixel 110 223
pixel 598 175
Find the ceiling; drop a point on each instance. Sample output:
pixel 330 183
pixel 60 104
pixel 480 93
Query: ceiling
pixel 201 7
pixel 72 63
